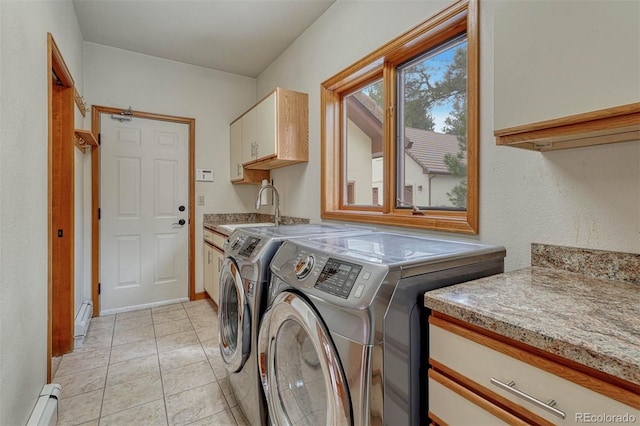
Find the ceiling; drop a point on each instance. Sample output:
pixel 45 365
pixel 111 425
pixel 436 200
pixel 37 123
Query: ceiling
pixel 238 36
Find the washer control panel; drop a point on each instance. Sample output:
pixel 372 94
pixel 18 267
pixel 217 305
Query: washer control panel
pixel 337 277
pixel 243 245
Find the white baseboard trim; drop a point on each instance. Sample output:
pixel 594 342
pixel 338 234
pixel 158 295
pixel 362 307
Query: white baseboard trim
pixel 144 306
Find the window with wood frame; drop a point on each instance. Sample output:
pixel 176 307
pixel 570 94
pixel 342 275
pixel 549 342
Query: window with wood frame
pixel 402 123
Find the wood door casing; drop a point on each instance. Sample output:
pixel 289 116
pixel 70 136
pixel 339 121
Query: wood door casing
pixel 96 111
pixel 60 230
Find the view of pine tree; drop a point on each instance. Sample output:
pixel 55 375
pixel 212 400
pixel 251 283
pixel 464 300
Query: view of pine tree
pixel 375 92
pixel 456 124
pixel 417 98
pixel 424 92
pixel 454 84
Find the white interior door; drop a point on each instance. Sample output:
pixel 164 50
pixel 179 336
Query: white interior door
pixel 144 235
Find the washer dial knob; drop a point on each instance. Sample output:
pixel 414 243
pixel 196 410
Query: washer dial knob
pixel 304 267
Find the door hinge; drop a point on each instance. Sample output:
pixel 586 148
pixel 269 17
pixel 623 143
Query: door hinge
pixel 98 213
pixel 99 139
pixel 99 288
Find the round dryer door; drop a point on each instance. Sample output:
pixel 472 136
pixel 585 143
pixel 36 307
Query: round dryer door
pixel 234 318
pixel 300 369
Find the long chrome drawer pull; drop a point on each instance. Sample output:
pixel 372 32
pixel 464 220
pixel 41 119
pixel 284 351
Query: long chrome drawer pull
pixel 548 406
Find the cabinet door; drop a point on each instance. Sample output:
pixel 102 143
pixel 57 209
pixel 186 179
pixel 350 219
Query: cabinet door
pixel 207 257
pixel 216 266
pixel 236 170
pixel 524 380
pixel 266 134
pixel 249 128
pixel 453 404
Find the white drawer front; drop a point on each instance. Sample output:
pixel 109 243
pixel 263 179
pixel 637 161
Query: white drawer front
pixel 453 409
pixel 218 240
pixel 208 235
pixel 480 363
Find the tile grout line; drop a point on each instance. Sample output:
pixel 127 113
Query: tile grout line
pixel 164 397
pixel 106 376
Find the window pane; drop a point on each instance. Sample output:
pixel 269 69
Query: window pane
pixel 363 115
pixel 432 128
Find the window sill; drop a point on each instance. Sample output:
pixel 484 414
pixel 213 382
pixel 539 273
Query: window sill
pixel 431 220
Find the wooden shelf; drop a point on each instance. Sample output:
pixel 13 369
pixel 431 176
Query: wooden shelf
pixel 84 139
pixel 610 125
pixel 252 177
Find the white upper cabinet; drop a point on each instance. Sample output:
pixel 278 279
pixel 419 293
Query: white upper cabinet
pixel 554 60
pixel 275 132
pixel 236 168
pixel 266 134
pixel 566 77
pixel 249 135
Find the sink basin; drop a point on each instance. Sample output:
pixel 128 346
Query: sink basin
pixel 233 226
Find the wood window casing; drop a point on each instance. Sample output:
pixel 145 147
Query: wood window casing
pixel 459 18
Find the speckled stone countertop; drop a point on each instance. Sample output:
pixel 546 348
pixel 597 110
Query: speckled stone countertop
pixel 592 321
pixel 213 221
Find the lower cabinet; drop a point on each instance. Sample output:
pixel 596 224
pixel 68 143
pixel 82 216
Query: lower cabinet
pixel 213 258
pixel 476 378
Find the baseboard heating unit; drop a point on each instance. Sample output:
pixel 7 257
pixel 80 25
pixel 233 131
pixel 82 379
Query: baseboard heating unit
pixel 83 317
pixel 45 413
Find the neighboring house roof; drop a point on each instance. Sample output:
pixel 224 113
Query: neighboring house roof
pixel 429 148
pixel 425 147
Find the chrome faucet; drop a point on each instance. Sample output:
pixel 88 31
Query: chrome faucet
pixel 276 201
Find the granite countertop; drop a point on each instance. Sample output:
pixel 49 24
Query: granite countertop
pixel 592 321
pixel 214 221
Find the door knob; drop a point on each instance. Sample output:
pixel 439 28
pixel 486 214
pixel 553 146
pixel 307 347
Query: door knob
pixel 181 208
pixel 180 222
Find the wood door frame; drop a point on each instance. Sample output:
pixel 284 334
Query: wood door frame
pixel 61 199
pixel 96 110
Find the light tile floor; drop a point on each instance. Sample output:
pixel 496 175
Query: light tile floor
pixel 154 366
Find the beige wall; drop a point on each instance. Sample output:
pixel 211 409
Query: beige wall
pixel 23 192
pixel 584 197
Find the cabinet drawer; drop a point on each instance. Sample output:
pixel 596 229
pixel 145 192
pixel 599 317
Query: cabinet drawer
pixel 452 404
pixel 208 235
pixel 481 364
pixel 218 241
pixel 214 238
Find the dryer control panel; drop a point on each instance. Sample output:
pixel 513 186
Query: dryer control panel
pixel 338 277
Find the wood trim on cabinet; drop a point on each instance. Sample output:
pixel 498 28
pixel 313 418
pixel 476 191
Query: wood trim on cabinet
pixel 252 177
pixel 488 394
pixel 436 421
pixel 95 195
pixel 476 399
pixel 609 125
pixel 597 381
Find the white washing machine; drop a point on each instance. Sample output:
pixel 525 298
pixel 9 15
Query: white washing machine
pixel 341 342
pixel 244 281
